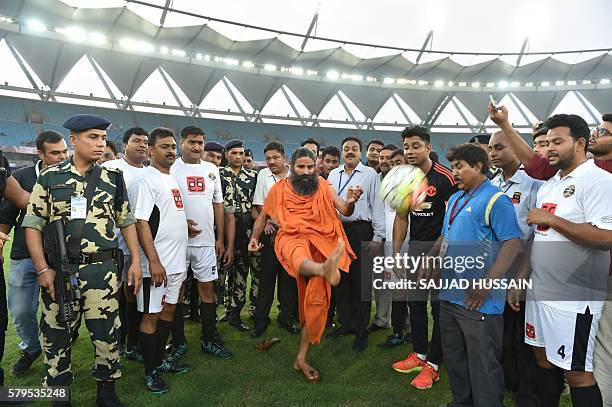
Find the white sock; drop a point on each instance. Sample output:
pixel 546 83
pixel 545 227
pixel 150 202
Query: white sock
pixel 434 366
pixel 422 357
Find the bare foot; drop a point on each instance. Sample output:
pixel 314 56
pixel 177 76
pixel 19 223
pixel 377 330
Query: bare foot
pixel 330 266
pixel 310 373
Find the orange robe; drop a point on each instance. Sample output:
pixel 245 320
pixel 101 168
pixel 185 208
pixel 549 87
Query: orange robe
pixel 309 230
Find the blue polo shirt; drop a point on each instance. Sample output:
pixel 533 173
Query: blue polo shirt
pixel 483 219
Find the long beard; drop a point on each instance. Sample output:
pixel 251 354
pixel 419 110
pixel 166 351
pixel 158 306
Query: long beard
pixel 304 184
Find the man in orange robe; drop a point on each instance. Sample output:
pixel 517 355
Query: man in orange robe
pixel 311 244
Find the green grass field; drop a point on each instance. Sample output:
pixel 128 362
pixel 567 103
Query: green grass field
pixel 252 378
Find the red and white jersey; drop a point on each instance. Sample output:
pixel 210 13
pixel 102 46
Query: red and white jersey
pixel 562 269
pixel 160 202
pixel 200 186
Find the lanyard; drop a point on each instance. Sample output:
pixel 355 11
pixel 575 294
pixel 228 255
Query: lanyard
pixel 340 187
pixel 453 215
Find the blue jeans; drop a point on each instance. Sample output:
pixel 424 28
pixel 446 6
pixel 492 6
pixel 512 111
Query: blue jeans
pixel 23 303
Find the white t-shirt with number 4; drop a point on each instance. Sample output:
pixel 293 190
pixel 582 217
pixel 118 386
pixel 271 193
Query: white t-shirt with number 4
pixel 159 201
pixel 567 275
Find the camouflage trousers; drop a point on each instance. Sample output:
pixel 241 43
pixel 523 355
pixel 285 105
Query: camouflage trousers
pixel 100 308
pixel 236 280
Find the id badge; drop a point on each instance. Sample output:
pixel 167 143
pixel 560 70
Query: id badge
pixel 443 248
pixel 78 207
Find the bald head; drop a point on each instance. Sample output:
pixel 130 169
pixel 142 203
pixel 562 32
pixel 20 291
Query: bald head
pixel 501 153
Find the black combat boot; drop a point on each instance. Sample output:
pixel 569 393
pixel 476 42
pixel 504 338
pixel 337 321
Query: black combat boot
pixel 106 396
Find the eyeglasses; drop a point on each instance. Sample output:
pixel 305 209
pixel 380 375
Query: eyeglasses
pixel 601 132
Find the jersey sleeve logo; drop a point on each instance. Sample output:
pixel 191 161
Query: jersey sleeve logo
pixel 178 199
pixel 550 208
pixel 569 191
pixel 196 184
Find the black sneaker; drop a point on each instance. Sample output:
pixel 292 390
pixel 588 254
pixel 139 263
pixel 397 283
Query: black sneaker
pixel 239 325
pixel 23 364
pixel 217 339
pixel 155 384
pixel 133 355
pixel 392 341
pixel 177 352
pixel 216 350
pixel 173 366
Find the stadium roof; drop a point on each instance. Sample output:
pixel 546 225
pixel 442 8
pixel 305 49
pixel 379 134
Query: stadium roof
pixel 52 37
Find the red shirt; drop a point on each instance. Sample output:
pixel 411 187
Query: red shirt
pixel 539 168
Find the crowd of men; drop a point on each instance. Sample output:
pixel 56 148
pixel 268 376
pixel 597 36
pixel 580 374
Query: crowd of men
pixel 154 238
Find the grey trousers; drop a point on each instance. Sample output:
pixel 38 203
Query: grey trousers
pixel 472 346
pixel 602 360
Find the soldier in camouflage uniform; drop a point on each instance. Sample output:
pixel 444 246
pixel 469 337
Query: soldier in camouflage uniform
pixel 239 189
pixel 57 189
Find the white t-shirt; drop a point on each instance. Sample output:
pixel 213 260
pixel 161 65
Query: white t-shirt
pixel 567 275
pixel 130 175
pixel 265 181
pixel 159 201
pixel 200 186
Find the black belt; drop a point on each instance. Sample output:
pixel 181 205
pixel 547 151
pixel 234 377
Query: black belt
pixel 356 222
pixel 98 257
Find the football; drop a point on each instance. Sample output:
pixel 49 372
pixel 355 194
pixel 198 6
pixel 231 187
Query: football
pixel 404 187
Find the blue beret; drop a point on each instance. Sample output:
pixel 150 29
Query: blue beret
pixel 233 143
pixel 82 122
pixel 213 146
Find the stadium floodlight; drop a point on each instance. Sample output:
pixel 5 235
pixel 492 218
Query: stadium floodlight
pixel 75 34
pixel 199 56
pixel 515 84
pixel 604 82
pixel 545 83
pixel 206 57
pixel 370 79
pixel 586 82
pixel 230 61
pixel 423 83
pixel 270 67
pixel 36 25
pixel 97 38
pixel 356 77
pixel 559 83
pixel 248 64
pixel 389 81
pixel 571 83
pixel 490 84
pixel 439 83
pixel 132 45
pixel 503 84
pixel 402 81
pixel 475 84
pixel 296 70
pixel 164 50
pixel 59 30
pixel 178 52
pixel 333 75
pixel 529 84
pixel 463 84
pixel 311 72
